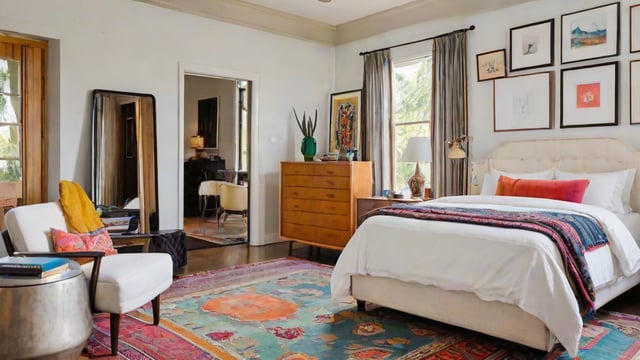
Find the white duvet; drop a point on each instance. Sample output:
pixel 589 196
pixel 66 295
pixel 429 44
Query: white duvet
pixel 510 265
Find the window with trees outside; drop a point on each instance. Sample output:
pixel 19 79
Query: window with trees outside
pixel 411 116
pixel 23 156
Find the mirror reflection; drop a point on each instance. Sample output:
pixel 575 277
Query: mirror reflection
pixel 124 170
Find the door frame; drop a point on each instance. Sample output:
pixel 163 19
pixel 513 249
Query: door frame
pixel 256 236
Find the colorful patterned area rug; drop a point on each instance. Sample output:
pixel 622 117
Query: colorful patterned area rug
pixel 281 309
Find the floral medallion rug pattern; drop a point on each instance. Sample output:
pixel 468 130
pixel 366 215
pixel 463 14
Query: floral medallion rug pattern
pixel 281 309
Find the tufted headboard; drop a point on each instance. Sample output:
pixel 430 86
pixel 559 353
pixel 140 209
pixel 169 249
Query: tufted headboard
pixel 572 155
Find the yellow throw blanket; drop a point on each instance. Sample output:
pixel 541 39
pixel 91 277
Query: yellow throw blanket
pixel 79 212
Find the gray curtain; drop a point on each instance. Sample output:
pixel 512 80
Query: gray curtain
pixel 376 115
pixel 449 120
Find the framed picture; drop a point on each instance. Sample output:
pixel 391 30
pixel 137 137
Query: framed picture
pixel 491 65
pixel 589 96
pixel 634 28
pixel 208 121
pixel 523 102
pixel 590 34
pixel 531 45
pixel 345 121
pixel 634 84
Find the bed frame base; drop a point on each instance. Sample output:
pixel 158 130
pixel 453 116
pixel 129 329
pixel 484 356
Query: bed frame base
pixel 455 308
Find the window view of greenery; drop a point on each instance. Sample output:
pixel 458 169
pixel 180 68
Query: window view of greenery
pixel 412 115
pixel 10 125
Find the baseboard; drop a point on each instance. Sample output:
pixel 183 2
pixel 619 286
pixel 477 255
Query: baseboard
pixel 266 240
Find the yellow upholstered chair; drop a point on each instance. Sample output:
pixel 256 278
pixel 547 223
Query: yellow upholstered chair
pixel 234 199
pixel 209 188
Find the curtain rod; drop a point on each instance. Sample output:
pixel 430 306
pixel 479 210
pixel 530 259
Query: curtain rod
pixel 472 27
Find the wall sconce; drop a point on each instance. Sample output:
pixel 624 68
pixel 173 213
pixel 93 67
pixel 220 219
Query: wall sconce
pixel 455 147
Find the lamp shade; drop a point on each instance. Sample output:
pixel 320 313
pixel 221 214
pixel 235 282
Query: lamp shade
pixel 456 151
pixel 197 142
pixel 418 150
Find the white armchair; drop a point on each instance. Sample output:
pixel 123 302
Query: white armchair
pixel 206 189
pixel 118 283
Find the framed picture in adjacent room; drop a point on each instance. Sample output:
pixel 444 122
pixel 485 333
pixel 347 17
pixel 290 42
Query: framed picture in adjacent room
pixel 531 45
pixel 634 28
pixel 634 95
pixel 591 33
pixel 523 102
pixel 589 96
pixel 491 65
pixel 345 121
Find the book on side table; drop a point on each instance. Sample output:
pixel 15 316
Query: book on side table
pixel 32 266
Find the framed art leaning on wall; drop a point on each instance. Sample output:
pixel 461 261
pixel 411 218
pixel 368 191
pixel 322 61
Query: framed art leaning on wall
pixel 345 121
pixel 589 96
pixel 523 102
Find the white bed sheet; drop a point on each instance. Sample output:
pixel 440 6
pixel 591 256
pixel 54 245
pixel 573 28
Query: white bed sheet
pixel 509 265
pixel 632 222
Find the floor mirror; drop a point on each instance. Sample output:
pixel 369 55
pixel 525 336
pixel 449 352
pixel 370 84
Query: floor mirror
pixel 124 161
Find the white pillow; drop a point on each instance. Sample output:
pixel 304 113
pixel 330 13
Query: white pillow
pixel 490 182
pixel 610 190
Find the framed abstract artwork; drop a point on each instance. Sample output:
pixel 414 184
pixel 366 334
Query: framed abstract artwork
pixel 634 28
pixel 591 33
pixel 345 121
pixel 589 96
pixel 531 45
pixel 523 102
pixel 491 65
pixel 634 94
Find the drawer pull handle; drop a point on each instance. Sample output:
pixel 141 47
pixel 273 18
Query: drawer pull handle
pixel 331 196
pixel 330 172
pixel 330 183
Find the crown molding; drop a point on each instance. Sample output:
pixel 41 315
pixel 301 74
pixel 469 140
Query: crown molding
pixel 281 23
pixel 254 16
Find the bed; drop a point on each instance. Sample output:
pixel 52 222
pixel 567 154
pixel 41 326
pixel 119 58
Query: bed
pixel 374 268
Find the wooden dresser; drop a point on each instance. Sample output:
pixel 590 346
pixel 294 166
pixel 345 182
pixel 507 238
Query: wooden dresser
pixel 318 200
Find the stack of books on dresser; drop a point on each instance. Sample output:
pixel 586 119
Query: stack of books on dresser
pixel 39 267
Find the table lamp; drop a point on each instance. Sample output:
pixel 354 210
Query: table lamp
pixel 419 150
pixel 455 148
pixel 197 142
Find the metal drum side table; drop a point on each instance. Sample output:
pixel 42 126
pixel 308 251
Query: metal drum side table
pixel 45 318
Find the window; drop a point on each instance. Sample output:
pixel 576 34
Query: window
pixel 22 122
pixel 411 116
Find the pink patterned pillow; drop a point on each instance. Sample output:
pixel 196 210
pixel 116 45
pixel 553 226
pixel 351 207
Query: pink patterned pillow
pixel 98 240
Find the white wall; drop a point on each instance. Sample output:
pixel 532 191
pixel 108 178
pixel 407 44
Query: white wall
pixel 491 33
pixel 131 46
pixel 198 88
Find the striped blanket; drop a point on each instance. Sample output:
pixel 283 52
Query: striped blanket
pixel 573 234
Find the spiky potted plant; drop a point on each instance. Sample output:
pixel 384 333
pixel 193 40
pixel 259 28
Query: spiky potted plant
pixel 308 147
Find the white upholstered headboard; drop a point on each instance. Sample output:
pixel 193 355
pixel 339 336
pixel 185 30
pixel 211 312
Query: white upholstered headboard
pixel 572 155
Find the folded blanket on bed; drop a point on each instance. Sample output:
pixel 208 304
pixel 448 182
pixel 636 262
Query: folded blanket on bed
pixel 573 234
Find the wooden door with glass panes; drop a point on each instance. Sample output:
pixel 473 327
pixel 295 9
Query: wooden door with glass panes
pixel 23 150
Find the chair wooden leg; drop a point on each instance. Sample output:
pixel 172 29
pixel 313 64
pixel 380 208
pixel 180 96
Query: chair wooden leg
pixel 155 304
pixel 114 325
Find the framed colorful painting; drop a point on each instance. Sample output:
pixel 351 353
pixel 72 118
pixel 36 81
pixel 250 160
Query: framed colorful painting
pixel 345 121
pixel 531 45
pixel 590 34
pixel 589 96
pixel 491 65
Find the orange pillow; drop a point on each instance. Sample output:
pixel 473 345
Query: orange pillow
pixel 98 240
pixel 566 190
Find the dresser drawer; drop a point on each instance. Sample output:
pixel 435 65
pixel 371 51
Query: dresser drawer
pixel 339 222
pixel 297 192
pixel 316 206
pixel 322 169
pixel 322 236
pixel 331 182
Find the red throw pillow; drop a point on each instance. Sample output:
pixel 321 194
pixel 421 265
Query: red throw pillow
pixel 98 240
pixel 566 190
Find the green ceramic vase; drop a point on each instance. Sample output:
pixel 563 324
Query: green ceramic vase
pixel 308 148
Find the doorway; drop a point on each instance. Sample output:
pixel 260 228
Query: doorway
pixel 217 114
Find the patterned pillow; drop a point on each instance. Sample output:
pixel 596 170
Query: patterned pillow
pixel 98 240
pixel 566 190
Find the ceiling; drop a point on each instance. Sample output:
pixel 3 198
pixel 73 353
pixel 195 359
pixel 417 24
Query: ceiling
pixel 335 22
